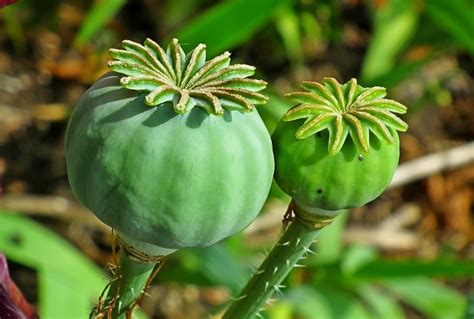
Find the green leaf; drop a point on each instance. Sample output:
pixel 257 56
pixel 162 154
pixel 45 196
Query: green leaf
pixel 280 310
pixel 287 24
pixel 216 263
pixel 395 24
pixel 343 305
pixel 435 300
pixel 355 257
pixel 69 283
pixel 13 27
pixel 100 14
pixel 228 24
pixel 455 18
pixel 306 302
pixel 330 244
pixel 382 305
pixel 470 307
pixel 403 71
pixel 401 269
pixel 272 112
pixel 213 265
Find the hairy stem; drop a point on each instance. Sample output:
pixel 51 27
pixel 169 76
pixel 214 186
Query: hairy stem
pixel 130 280
pixel 294 243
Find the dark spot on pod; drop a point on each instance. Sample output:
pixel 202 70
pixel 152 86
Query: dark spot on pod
pixel 360 157
pixel 319 191
pixel 319 134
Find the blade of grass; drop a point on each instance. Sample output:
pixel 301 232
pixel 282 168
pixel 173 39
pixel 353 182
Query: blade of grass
pixel 379 269
pixel 344 305
pixel 330 244
pixel 306 302
pixel 99 15
pixel 228 24
pixel 434 300
pixel 382 305
pixel 287 24
pixel 68 281
pixel 394 25
pixel 14 28
pixel 455 18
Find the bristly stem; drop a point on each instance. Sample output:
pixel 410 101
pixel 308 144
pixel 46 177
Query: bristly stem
pixel 131 279
pixel 294 243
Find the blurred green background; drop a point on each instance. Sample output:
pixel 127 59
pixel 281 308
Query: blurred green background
pixel 410 254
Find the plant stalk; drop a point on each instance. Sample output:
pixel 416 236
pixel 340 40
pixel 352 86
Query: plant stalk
pixel 127 287
pixel 294 243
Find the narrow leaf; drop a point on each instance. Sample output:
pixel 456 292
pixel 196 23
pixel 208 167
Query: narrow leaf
pixel 229 23
pixel 100 13
pixel 382 304
pixel 434 300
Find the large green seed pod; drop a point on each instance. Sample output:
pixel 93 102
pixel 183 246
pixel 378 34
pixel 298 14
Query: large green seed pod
pixel 318 165
pixel 163 173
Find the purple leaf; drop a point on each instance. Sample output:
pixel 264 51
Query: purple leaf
pixel 4 3
pixel 7 308
pixel 12 303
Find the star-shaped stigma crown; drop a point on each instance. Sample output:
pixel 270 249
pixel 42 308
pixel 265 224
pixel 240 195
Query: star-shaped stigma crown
pixel 186 80
pixel 345 109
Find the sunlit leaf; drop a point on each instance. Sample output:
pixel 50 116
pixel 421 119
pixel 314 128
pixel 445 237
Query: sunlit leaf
pixel 228 24
pixel 64 274
pixel 433 299
pixel 395 24
pixel 100 14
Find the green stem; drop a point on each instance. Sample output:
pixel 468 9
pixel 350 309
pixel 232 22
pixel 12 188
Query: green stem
pixel 133 279
pixel 294 243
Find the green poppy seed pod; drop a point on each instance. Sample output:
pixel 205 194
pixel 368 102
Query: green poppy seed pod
pixel 339 147
pixel 169 150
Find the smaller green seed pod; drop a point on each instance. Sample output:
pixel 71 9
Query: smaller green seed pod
pixel 324 171
pixel 339 147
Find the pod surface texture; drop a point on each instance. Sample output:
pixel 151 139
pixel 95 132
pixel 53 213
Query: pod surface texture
pixel 173 180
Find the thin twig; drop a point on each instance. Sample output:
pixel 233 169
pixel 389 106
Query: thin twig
pixel 432 164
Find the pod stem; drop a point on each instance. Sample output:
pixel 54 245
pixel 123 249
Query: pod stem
pixel 124 292
pixel 291 247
